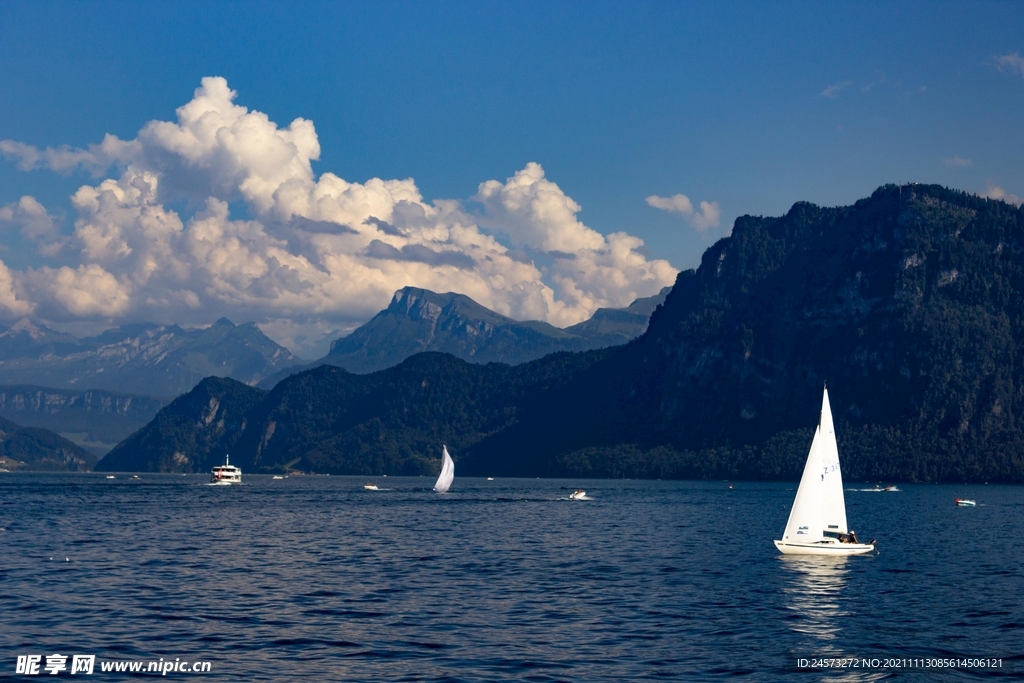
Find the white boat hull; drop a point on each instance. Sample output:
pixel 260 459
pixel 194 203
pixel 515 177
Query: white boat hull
pixel 824 548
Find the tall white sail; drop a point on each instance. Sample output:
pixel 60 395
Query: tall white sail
pixel 833 501
pixel 819 506
pixel 444 481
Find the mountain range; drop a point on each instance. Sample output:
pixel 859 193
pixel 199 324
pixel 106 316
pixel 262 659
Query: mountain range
pixel 155 360
pixel 419 320
pixel 94 419
pixel 167 360
pixel 330 420
pixel 908 304
pixel 80 406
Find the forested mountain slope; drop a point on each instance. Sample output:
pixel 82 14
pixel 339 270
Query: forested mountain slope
pixel 908 304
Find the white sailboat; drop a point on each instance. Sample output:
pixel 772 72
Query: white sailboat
pixel 817 522
pixel 444 481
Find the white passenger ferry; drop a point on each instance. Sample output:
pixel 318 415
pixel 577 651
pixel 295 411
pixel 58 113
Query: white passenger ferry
pixel 226 474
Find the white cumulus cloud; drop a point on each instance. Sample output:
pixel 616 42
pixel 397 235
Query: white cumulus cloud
pixel 313 254
pixel 709 215
pixel 13 304
pixel 996 192
pixel 34 224
pixel 85 291
pixel 97 158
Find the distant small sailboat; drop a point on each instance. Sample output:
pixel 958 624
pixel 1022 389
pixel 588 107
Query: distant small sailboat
pixel 444 481
pixel 965 503
pixel 817 522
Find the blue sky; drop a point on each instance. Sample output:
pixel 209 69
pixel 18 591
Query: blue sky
pixel 749 107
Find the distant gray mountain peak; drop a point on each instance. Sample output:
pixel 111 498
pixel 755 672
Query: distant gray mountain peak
pixel 142 358
pixel 25 325
pixel 418 320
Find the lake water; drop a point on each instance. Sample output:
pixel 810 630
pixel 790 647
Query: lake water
pixel 313 577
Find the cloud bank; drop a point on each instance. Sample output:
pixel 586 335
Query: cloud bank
pixel 709 216
pixel 312 254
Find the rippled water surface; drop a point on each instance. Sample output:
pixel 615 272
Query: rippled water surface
pixel 498 580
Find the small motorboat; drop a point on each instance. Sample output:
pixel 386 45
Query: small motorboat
pixel 277 476
pixel 370 487
pixel 111 476
pixel 965 503
pixel 578 494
